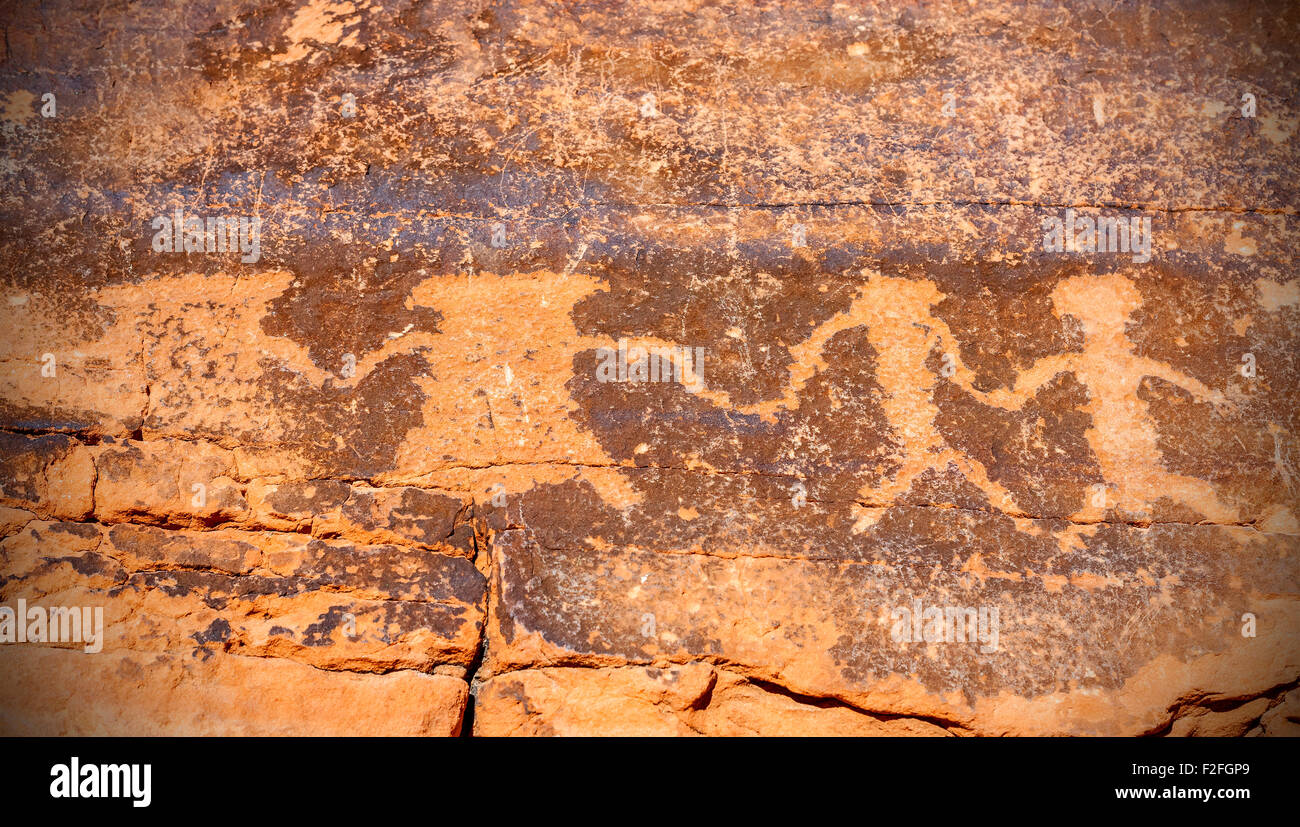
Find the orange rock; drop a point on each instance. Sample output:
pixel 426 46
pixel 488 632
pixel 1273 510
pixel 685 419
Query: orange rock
pixel 938 462
pixel 57 692
pixel 693 699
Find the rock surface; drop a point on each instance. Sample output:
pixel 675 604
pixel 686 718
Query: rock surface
pixel 364 475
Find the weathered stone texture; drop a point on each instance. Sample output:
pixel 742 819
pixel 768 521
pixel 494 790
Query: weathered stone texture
pixel 368 478
pixel 53 692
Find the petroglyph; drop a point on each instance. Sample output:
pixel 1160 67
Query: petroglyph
pixel 357 471
pixel 896 313
pixel 1122 434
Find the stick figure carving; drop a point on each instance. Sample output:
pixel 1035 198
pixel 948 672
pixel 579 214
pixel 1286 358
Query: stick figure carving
pixel 903 332
pixel 901 328
pixel 1123 435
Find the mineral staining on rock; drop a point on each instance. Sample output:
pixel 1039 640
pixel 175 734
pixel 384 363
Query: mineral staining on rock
pixel 368 467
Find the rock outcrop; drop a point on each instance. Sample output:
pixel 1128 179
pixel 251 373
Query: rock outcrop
pixel 397 367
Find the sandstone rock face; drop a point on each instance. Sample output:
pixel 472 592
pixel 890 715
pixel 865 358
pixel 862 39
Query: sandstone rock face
pixel 673 369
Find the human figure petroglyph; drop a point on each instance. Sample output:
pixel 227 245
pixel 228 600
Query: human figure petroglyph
pixel 904 333
pixel 1123 435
